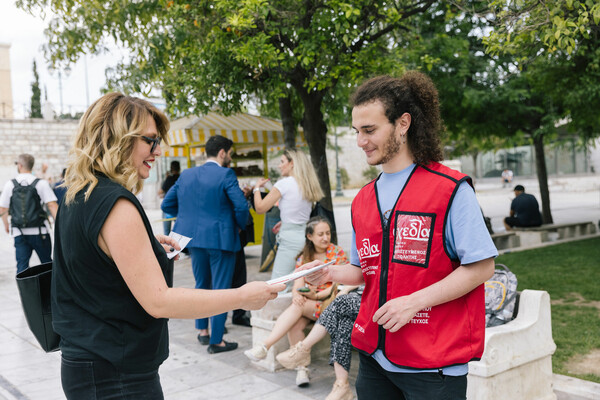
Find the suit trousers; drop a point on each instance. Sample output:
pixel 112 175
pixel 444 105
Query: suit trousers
pixel 213 269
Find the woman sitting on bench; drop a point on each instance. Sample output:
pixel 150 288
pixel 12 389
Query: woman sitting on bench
pixel 307 300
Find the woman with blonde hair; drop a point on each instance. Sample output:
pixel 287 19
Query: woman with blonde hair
pixel 296 192
pixel 112 280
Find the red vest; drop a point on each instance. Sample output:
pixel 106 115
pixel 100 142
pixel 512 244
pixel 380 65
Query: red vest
pixel 407 256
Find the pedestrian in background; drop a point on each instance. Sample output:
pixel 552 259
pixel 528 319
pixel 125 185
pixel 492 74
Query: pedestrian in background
pixel 212 210
pixel 296 192
pixel 169 181
pixel 524 210
pixel 59 188
pixel 25 197
pixel 507 176
pixel 112 281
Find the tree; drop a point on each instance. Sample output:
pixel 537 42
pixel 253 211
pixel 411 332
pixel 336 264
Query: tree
pixel 476 105
pixel 555 45
pixel 206 54
pixel 527 27
pixel 36 95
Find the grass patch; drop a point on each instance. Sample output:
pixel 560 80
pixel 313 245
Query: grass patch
pixel 562 270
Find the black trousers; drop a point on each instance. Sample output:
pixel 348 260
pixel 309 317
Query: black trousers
pixel 240 277
pixel 93 380
pixel 374 382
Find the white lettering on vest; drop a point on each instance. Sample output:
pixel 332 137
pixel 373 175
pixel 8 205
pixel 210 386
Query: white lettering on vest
pixel 422 317
pixel 369 269
pixel 415 231
pixel 368 250
pixel 359 328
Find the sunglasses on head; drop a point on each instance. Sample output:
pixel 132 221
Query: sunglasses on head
pixel 153 141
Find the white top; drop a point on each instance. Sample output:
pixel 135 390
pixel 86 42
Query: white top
pixel 44 191
pixel 293 208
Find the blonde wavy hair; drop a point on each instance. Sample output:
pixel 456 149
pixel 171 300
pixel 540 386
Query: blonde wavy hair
pixel 305 175
pixel 104 143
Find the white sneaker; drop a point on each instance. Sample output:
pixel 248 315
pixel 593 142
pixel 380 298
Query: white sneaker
pixel 257 353
pixel 340 391
pixel 296 356
pixel 302 378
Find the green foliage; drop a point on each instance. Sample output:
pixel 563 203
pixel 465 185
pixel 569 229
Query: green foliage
pixel 569 273
pixel 206 54
pixel 345 177
pixel 274 174
pixel 36 95
pixel 371 173
pixel 525 27
pixel 558 43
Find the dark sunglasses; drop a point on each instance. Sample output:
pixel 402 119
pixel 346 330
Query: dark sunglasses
pixel 154 141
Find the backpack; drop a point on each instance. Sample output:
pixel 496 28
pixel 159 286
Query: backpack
pixel 500 296
pixel 25 206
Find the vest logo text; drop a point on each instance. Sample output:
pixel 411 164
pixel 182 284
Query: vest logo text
pixel 368 250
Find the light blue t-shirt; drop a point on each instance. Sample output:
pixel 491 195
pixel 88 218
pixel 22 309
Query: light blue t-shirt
pixel 467 239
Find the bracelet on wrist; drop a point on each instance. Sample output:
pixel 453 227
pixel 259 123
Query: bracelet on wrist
pixel 255 190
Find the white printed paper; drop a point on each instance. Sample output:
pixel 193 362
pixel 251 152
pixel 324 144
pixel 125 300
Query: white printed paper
pixel 181 240
pixel 298 274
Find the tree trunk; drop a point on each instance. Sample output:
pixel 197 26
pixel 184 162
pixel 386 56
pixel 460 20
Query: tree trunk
pixel 542 175
pixel 287 120
pixel 475 174
pixel 315 132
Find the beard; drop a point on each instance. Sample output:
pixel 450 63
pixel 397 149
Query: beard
pixel 390 149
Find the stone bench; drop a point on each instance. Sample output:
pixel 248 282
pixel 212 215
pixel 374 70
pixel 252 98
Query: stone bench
pixel 517 360
pixel 506 240
pixel 553 232
pixel 263 321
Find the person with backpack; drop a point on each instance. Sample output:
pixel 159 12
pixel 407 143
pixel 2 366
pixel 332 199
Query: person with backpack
pixel 23 199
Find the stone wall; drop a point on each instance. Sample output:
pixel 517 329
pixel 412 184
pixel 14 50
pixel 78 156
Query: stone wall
pixel 47 141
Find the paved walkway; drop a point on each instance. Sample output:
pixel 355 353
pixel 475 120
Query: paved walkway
pixel 26 372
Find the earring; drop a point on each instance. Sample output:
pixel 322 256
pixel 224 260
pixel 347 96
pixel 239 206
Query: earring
pixel 403 138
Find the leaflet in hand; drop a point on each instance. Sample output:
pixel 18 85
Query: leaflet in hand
pixel 181 240
pixel 298 274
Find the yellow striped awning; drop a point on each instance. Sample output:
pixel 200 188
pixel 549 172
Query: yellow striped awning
pixel 244 130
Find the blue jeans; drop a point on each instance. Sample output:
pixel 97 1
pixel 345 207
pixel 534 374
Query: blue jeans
pixel 99 380
pixel 25 244
pixel 374 382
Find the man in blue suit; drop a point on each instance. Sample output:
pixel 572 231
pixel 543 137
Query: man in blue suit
pixel 211 209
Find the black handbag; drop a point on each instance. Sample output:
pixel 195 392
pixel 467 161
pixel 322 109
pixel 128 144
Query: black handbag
pixel 34 289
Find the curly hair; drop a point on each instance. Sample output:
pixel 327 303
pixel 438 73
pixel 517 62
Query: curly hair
pixel 413 93
pixel 104 143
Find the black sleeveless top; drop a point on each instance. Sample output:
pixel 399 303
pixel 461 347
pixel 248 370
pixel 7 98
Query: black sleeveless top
pixel 93 310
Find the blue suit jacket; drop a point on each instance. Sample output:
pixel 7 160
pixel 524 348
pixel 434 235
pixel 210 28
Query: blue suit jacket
pixel 210 207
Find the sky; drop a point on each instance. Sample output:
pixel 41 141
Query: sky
pixel 25 34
